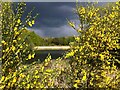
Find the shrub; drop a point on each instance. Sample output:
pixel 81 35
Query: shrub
pixel 92 63
pixel 15 50
pixel 28 76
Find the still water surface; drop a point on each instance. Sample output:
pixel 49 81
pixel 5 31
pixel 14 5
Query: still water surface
pixel 41 55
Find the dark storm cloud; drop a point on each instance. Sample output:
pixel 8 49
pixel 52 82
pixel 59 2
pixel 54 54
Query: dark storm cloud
pixel 52 14
pixel 52 19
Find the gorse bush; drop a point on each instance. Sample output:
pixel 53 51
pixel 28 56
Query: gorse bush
pixel 29 76
pixel 15 49
pixel 92 63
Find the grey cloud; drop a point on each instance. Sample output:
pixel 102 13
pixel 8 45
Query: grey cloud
pixel 61 31
pixel 52 19
pixel 52 14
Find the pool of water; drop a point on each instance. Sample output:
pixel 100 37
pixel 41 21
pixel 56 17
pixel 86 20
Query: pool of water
pixel 41 55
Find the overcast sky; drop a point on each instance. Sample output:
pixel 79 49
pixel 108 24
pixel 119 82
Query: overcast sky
pixel 52 19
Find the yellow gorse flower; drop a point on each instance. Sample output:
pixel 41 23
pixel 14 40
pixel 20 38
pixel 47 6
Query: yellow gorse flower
pixel 84 75
pixel 49 70
pixel 36 71
pixel 14 41
pixel 18 21
pixel 16 33
pixel 29 56
pixel 33 55
pixel 29 23
pixel 13 48
pixel 42 69
pixel 9 84
pixel 3 42
pixel 84 78
pixel 82 10
pixel 15 28
pixel 21 46
pixel 3 77
pixel 28 86
pixel 14 79
pixel 22 75
pixel 7 49
pixel 101 57
pixel 33 22
pixel 77 81
pixel 75 85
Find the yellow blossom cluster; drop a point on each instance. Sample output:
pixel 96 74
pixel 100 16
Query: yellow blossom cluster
pixel 93 50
